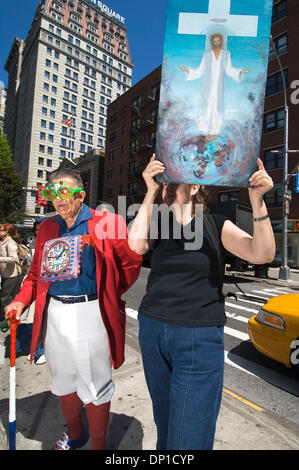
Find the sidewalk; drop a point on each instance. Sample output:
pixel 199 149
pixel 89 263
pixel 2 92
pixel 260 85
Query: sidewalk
pixel 40 421
pixel 273 277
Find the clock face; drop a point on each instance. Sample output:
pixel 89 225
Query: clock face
pixel 57 257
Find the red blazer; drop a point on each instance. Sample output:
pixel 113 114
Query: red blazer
pixel 117 268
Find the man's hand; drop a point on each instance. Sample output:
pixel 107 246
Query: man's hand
pixel 17 306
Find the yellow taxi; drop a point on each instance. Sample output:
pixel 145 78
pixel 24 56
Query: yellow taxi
pixel 274 331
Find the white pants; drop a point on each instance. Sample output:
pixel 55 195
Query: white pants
pixel 77 351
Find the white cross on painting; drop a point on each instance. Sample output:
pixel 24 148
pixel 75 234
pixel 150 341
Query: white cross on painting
pixel 219 14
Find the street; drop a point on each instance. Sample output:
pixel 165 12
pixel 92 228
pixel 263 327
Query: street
pixel 259 403
pixel 264 383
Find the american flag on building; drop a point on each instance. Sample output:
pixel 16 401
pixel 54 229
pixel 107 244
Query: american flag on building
pixel 68 122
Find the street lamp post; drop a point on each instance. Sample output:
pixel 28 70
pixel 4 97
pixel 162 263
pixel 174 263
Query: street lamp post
pixel 284 270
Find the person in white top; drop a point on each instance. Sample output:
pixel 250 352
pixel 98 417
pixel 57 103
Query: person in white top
pixel 10 270
pixel 215 63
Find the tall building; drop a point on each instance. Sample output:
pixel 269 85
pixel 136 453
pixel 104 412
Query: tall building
pixel 131 140
pixel 75 62
pixel 131 121
pixel 13 67
pixel 3 94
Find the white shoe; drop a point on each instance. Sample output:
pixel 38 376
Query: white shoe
pixel 41 360
pixel 28 357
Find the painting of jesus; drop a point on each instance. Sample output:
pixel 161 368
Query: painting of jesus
pixel 215 63
pixel 213 90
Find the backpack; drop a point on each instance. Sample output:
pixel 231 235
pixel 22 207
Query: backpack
pixel 214 235
pixel 23 251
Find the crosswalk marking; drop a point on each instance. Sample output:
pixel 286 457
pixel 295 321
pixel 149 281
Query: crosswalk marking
pixel 269 375
pixel 236 333
pixel 250 302
pixel 241 307
pixel 227 330
pixel 230 362
pixel 268 295
pixel 246 365
pixel 234 316
pixel 132 313
pixel 280 289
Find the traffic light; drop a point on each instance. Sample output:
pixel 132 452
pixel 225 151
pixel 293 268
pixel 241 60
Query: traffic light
pixel 295 226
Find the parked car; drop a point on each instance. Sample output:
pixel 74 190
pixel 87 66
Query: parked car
pixel 274 331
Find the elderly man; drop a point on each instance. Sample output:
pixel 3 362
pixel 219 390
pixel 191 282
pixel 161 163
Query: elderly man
pixel 80 270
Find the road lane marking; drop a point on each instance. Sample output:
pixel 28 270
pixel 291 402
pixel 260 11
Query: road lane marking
pixel 261 372
pixel 241 307
pixel 234 316
pixel 132 313
pixel 266 296
pixel 236 333
pixel 262 301
pixel 230 331
pixel 284 291
pixel 249 367
pixel 243 400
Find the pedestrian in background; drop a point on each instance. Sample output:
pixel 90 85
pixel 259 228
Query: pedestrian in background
pixel 182 315
pixel 10 267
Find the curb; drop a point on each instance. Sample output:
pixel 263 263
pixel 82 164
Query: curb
pixel 290 284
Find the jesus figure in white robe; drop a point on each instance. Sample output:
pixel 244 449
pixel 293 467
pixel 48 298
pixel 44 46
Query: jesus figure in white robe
pixel 215 63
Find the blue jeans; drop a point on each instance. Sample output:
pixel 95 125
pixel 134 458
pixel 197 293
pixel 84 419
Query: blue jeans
pixel 183 369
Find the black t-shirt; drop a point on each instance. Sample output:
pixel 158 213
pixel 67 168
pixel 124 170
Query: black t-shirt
pixel 183 285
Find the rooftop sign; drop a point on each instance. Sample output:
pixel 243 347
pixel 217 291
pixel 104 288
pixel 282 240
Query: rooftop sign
pixel 109 11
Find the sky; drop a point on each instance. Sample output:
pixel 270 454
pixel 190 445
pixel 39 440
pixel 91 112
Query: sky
pixel 144 20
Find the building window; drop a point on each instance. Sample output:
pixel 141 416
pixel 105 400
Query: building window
pixel 229 196
pixel 273 160
pixel 110 174
pixel 155 91
pixel 109 193
pixel 274 120
pixel 279 11
pixel 40 161
pixel 112 137
pixel 274 198
pixel 281 46
pixel 132 188
pixel 152 139
pixel 154 115
pixel 39 173
pixel 275 83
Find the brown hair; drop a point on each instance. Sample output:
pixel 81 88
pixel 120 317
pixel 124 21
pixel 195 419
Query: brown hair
pixel 217 35
pixel 11 230
pixel 201 197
